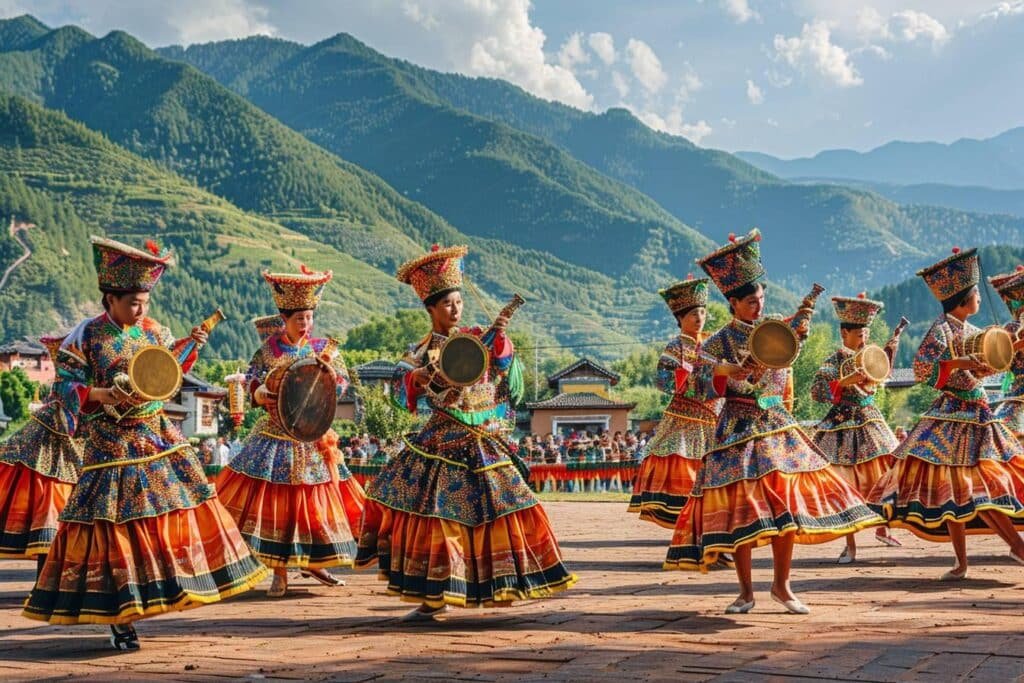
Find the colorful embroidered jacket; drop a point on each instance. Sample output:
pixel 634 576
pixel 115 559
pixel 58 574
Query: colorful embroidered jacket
pixel 458 466
pixel 485 402
pixel 269 453
pixel 752 412
pixel 1011 410
pixel 676 377
pixel 46 444
pixel 141 465
pixel 962 405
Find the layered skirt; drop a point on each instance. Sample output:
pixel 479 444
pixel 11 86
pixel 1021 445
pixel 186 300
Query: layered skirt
pixel 38 467
pixel 765 478
pixel 289 507
pixel 1011 412
pixel 959 460
pixel 858 443
pixel 450 520
pixel 670 464
pixel 142 532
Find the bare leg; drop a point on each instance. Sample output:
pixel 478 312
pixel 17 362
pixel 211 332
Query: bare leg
pixel 742 558
pixel 1002 525
pixel 849 553
pixel 782 563
pixel 959 540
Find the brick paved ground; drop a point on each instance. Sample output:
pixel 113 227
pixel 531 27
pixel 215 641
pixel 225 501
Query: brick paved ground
pixel 885 618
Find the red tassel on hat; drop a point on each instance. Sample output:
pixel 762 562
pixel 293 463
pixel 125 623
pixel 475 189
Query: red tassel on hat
pixel 956 250
pixel 153 247
pixel 862 295
pixel 732 237
pixel 304 270
pixel 1020 267
pixel 435 247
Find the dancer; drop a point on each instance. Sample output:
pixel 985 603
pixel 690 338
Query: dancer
pixel 450 520
pixel 853 435
pixel 1010 287
pixel 38 466
pixel 142 532
pixel 673 455
pixel 284 493
pixel 960 470
pixel 762 480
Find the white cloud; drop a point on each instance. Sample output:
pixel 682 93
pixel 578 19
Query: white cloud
pixel 728 123
pixel 778 80
pixel 645 65
pixel 772 122
pixel 740 10
pixel 691 83
pixel 420 16
pixel 620 83
pixel 876 50
pixel 199 22
pixel 909 25
pixel 813 49
pixel 603 46
pixel 1004 9
pixel 674 124
pixel 754 93
pixel 573 52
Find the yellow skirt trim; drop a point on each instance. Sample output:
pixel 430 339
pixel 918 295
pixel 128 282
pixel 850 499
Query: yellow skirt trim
pixel 134 461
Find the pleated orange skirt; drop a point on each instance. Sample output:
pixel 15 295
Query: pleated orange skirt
pixel 816 507
pixel 922 496
pixel 662 487
pixel 29 507
pixel 438 562
pixel 107 573
pixel 290 525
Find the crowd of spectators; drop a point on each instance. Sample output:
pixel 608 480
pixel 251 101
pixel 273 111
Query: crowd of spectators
pixel 583 446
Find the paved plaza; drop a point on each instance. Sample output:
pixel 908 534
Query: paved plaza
pixel 885 618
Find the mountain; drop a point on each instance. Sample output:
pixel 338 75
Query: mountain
pixel 996 162
pixel 70 182
pixel 960 197
pixel 912 299
pixel 486 178
pixel 432 135
pixel 187 123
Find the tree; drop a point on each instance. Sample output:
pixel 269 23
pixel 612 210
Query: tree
pixel 381 417
pixel 816 349
pixel 391 333
pixel 16 392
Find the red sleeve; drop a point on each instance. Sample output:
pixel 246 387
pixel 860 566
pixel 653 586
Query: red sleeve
pixel 836 390
pixel 411 392
pixel 944 372
pixel 718 383
pixel 83 399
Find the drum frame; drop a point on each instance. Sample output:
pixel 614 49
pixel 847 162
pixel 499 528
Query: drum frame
pixel 772 322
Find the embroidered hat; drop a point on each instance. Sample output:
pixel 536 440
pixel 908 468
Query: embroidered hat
pixel 1010 287
pixel 952 275
pixel 686 294
pixel 121 268
pixel 858 310
pixel 436 273
pixel 267 325
pixel 52 343
pixel 736 264
pixel 297 291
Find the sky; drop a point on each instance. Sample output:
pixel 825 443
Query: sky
pixel 785 77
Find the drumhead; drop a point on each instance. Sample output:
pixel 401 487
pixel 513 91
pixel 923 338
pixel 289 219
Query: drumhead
pixel 997 348
pixel 773 344
pixel 464 360
pixel 307 399
pixel 155 373
pixel 874 363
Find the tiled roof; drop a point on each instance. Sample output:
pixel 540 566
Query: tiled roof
pixel 376 369
pixel 904 377
pixel 23 347
pixel 599 369
pixel 582 399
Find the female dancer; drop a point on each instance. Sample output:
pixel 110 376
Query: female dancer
pixel 960 470
pixel 673 456
pixel 762 481
pixel 284 493
pixel 38 466
pixel 450 520
pixel 142 532
pixel 854 435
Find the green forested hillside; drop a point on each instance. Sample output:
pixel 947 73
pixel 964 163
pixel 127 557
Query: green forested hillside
pixel 70 182
pixel 484 177
pixel 850 239
pixel 187 123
